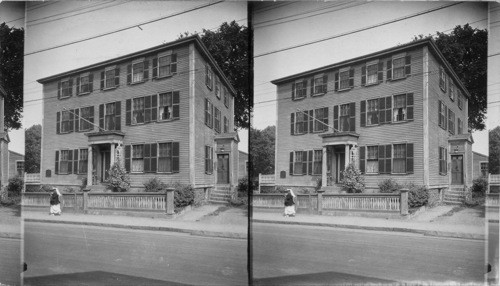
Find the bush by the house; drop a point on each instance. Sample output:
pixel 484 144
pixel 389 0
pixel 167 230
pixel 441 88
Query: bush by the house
pixel 417 196
pixel 45 188
pixel 243 186
pixel 119 180
pixel 154 185
pixel 353 181
pixel 389 186
pixel 479 186
pixel 279 189
pixel 183 195
pixel 15 186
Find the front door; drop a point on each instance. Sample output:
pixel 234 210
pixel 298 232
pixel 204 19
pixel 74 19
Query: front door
pixel 223 169
pixel 340 166
pixel 457 170
pixel 105 163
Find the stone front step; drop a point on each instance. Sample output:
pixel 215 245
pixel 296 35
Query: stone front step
pixel 454 196
pixel 220 194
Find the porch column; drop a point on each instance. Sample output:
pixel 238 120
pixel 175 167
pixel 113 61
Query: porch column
pixel 323 168
pixel 112 155
pixel 347 155
pixel 89 167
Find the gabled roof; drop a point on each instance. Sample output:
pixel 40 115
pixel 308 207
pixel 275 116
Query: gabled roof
pixel 15 153
pixel 401 48
pixel 171 45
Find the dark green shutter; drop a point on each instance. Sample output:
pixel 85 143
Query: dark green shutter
pixel 77 120
pixel 127 157
pixel 75 161
pixel 91 82
pixel 175 102
pixel 311 120
pixel 71 120
pixel 351 78
pixel 325 83
pixel 129 74
pixel 363 75
pixel 309 162
pixel 408 65
pixel 58 122
pixel 352 116
pixel 388 158
pixel 155 67
pixel 381 110
pixel 102 80
pixel 409 158
pixel 389 70
pixel 381 159
pixel 175 157
pixel 77 86
pixel 128 112
pixel 118 113
pixel 292 123
pixel 70 162
pixel 312 86
pixel 154 155
pixel 117 77
pixel 173 64
pixel 57 163
pixel 409 106
pixel 154 107
pixel 146 70
pixel 147 158
pixel 336 118
pixel 58 90
pixel 306 117
pixel 304 162
pixel 336 86
pixel 362 159
pixel 388 109
pixel 325 118
pixel 101 117
pixel 363 113
pixel 291 163
pixel 380 72
pixel 147 109
pixel 70 87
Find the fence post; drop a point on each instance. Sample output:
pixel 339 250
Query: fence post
pixel 85 200
pixel 169 201
pixel 320 201
pixel 403 202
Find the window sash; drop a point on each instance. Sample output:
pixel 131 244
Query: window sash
pixel 138 72
pixel 372 112
pixel 398 68
pixel 65 122
pixel 83 161
pixel 317 162
pixel 318 85
pixel 399 158
pixel 165 157
pixel 320 120
pixel 164 64
pixel 297 166
pixel 109 116
pixel 372 74
pixel 84 84
pixel 165 107
pixel 344 118
pixel 217 119
pixel 64 162
pixel 138 110
pixel 344 80
pixel 85 117
pixel 300 90
pixel 110 78
pixel 65 88
pixel 399 110
pixel 137 158
pixel 300 122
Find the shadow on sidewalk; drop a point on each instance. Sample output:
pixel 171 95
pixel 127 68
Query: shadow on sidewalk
pixel 322 278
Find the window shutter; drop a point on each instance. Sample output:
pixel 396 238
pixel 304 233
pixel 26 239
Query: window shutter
pixel 153 157
pixel 173 65
pixel 77 86
pixel 101 117
pixel 325 83
pixel 58 122
pixel 102 80
pixel 325 118
pixel 176 101
pixel 440 111
pixel 293 91
pixel 380 72
pixel 307 120
pixel 336 118
pixel 175 157
pixel 363 113
pixel 352 116
pixel 312 86
pixel 388 111
pixel 304 162
pixel 127 158
pixel 91 82
pixel 388 158
pixel 445 160
pixel 146 70
pixel 58 90
pixel 351 78
pixel 408 65
pixel 292 123
pixel 409 158
pixel 362 159
pixel 117 77
pixel 70 161
pixel 409 106
pixel 154 107
pixel 445 121
pixel 449 121
pixel 75 161
pixel 71 120
pixel 381 110
pixel 128 111
pixel 311 120
pixel 389 70
pixel 206 112
pixel 381 159
pixel 291 163
pixel 118 113
pixel 309 162
pixel 363 75
pixel 155 67
pixel 77 120
pixel 147 158
pixel 129 74
pixel 336 86
pixel 91 119
pixel 147 109
pixel 57 163
pixel 70 88
pixel 207 79
pixel 212 116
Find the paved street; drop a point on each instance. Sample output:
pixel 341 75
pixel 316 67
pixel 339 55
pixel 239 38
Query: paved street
pixel 10 261
pixel 61 254
pixel 297 255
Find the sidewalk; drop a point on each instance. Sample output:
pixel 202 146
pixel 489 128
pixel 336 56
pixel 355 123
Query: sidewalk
pixel 191 222
pixel 424 226
pixel 10 222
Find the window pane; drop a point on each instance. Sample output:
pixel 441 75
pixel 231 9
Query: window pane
pixel 372 71
pixel 137 158
pixel 138 110
pixel 398 70
pixel 110 78
pixel 138 70
pixel 344 80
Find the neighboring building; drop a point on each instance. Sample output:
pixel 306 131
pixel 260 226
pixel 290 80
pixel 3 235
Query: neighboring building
pixel 16 164
pixel 399 113
pixel 480 165
pixel 243 165
pixel 164 112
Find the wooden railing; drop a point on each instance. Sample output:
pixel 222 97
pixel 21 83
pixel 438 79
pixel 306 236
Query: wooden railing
pixel 266 180
pixel 154 202
pixel 33 178
pixel 493 181
pixel 318 202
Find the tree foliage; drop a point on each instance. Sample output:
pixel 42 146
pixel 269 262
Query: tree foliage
pixel 494 151
pixel 352 181
pixel 33 141
pixel 465 48
pixel 228 45
pixel 11 73
pixel 262 144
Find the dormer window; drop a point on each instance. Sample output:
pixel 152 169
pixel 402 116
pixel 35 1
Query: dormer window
pixel 65 88
pixel 165 65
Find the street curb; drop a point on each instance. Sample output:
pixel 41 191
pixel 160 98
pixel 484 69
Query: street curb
pixel 208 233
pixel 10 235
pixel 381 228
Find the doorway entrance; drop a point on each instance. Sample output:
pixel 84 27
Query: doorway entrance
pixel 105 163
pixel 457 170
pixel 222 168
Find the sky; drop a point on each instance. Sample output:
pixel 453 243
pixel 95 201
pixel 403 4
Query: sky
pixel 285 24
pixel 12 13
pixel 50 24
pixel 494 68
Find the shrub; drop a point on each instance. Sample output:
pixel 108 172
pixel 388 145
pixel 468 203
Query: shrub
pixel 279 189
pixel 417 196
pixel 15 186
pixel 154 185
pixel 243 186
pixel 353 181
pixel 319 184
pixel 119 180
pixel 45 188
pixel 479 186
pixel 389 186
pixel 84 184
pixel 183 195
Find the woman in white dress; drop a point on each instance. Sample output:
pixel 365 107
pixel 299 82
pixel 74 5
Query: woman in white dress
pixel 55 202
pixel 290 200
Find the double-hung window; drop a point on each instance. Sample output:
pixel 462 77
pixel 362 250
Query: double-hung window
pixel 109 78
pixel 209 160
pixel 138 110
pixel 320 119
pixel 442 79
pixel 372 74
pixel 20 167
pixel 451 122
pixel 66 121
pixel 84 83
pixel 320 84
pixel 399 111
pixel 300 122
pixel 300 89
pixel 443 160
pixel 83 161
pixel 209 117
pixel 372 160
pixel 317 162
pixel 442 110
pixel 169 106
pixel 484 169
pixel 398 68
pixel 217 120
pixel 209 77
pixel 298 163
pixel 138 158
pixel 65 161
pixel 65 88
pixel 452 90
pixel 344 118
pixel 167 65
pixel 86 118
pixel 399 158
pixel 344 79
pixel 217 87
pixel 372 112
pixel 110 116
pixel 165 157
pixel 138 72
